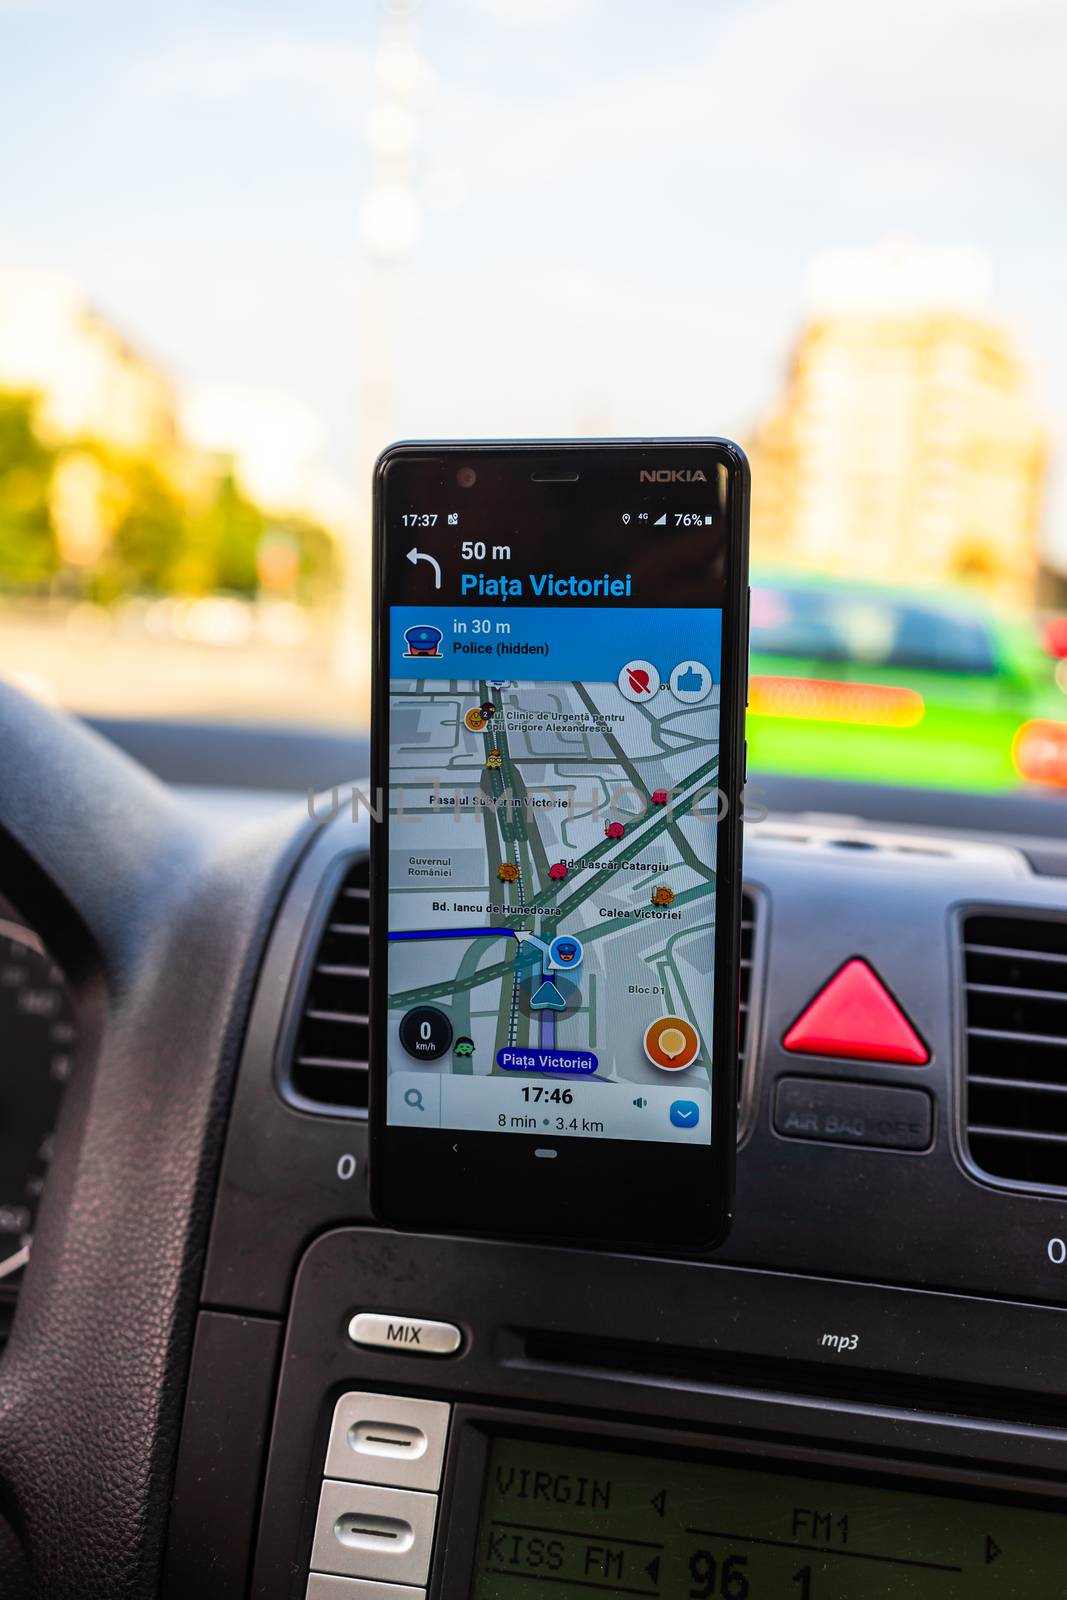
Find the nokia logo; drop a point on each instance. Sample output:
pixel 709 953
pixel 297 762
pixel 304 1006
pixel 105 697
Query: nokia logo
pixel 673 475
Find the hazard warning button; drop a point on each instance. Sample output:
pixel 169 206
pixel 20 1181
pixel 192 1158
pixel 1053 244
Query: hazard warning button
pixel 855 1018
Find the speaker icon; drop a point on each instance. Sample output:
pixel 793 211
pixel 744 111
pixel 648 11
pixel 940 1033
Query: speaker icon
pixel 641 1102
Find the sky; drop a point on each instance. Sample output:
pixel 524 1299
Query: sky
pixel 619 202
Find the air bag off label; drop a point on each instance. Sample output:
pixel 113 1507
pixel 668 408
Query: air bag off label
pixel 571 1521
pixel 876 1115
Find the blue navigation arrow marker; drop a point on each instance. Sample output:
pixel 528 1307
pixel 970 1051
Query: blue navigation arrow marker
pixel 548 998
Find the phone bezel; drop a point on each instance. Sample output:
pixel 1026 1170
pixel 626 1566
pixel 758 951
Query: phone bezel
pixel 675 1198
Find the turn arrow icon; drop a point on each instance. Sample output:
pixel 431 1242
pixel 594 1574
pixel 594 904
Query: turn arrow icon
pixel 415 554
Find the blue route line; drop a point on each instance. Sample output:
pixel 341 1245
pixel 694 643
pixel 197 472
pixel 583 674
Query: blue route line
pixel 454 933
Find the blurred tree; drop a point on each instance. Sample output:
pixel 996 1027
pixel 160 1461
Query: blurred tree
pixel 28 555
pixel 147 528
pixel 221 531
pixel 106 524
pixel 319 561
pixel 237 526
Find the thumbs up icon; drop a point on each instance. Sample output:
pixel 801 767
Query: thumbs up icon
pixel 690 682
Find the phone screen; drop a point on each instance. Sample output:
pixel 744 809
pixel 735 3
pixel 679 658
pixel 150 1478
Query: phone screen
pixel 553 794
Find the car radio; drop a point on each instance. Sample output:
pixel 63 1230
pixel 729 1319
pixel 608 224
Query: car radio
pixel 434 1440
pixel 582 1511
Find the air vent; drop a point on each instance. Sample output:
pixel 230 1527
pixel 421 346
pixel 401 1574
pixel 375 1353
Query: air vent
pixel 329 1064
pixel 748 940
pixel 1016 1019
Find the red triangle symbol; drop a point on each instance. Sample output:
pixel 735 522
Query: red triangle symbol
pixel 856 1017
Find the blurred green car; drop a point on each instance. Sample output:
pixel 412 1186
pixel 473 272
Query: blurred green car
pixel 885 686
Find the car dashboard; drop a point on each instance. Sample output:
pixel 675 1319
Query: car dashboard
pixel 861 1392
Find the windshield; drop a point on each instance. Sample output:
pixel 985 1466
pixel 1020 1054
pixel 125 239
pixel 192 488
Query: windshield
pixel 244 247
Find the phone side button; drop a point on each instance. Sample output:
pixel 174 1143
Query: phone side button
pixel 378 1330
pixel 748 639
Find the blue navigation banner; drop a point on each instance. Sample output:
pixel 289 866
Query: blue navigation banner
pixel 581 644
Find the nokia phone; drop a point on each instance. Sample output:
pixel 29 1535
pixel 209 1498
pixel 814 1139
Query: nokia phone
pixel 560 671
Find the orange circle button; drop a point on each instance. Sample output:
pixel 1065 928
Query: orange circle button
pixel 671 1043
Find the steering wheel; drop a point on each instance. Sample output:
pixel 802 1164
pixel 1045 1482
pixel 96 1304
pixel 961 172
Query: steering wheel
pixel 160 927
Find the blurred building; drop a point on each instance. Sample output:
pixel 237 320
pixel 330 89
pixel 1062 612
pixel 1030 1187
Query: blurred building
pixel 276 445
pixel 93 384
pixel 111 411
pixel 904 448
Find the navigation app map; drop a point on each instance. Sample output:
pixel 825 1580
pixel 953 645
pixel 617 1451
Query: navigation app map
pixel 552 826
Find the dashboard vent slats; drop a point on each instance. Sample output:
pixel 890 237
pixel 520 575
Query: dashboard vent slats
pixel 1015 974
pixel 329 1067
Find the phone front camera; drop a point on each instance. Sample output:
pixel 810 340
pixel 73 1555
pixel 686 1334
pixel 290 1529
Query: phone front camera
pixel 466 477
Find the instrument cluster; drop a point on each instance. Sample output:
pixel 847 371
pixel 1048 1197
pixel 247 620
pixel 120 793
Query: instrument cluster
pixel 38 1040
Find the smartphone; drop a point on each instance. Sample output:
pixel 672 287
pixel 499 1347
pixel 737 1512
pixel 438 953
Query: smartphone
pixel 560 678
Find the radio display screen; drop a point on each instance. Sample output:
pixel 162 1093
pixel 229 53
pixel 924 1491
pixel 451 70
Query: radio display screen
pixel 568 1522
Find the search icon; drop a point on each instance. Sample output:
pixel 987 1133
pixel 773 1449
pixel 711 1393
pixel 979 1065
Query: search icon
pixel 413 1097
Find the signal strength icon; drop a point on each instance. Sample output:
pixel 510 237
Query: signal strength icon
pixel 660 522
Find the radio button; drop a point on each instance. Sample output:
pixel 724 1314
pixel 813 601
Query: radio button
pixel 321 1586
pixel 364 1531
pixel 380 1331
pixel 380 1438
